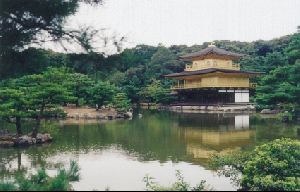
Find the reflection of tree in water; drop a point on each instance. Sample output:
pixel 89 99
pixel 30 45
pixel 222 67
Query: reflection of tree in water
pixel 9 157
pixel 268 129
pixel 158 136
pixel 18 160
pixel 205 121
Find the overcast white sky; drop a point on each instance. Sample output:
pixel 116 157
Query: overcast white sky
pixel 192 21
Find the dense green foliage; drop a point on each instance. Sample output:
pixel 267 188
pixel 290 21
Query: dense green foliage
pixel 41 181
pixel 280 88
pixel 139 71
pixel 155 92
pixel 13 104
pixel 270 167
pixel 36 22
pixel 134 71
pixel 35 96
pixel 102 93
pixel 121 102
pixel 43 95
pixel 179 185
pixel 80 86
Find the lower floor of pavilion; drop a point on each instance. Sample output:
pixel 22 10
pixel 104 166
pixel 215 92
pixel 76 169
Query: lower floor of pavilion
pixel 213 96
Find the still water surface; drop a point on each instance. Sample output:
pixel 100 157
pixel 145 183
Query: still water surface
pixel 118 154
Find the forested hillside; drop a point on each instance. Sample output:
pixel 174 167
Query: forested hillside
pixel 139 71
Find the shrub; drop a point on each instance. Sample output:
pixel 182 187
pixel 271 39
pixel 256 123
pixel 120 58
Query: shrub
pixel 179 185
pixel 42 182
pixel 59 183
pixel 73 172
pixel 285 116
pixel 7 186
pixel 121 102
pixel 156 93
pixel 274 166
pixel 102 93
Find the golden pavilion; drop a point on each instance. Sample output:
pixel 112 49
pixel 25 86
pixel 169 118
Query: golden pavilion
pixel 213 77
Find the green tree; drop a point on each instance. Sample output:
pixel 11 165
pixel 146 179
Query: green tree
pixel 80 85
pixel 135 80
pixel 21 23
pixel 156 93
pixel 117 78
pixel 13 105
pixel 139 55
pixel 274 60
pixel 36 22
pixel 280 88
pixel 162 63
pixel 274 167
pixel 102 93
pixel 270 167
pixel 88 63
pixel 121 102
pixel 46 93
pixel 30 61
pixel 293 50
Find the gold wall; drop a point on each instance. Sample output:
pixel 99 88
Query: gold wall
pixel 217 80
pixel 212 63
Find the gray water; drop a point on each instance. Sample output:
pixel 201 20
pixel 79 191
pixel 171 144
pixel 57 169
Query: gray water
pixel 119 154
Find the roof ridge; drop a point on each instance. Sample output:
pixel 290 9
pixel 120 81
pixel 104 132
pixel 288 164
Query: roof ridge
pixel 212 50
pixel 211 70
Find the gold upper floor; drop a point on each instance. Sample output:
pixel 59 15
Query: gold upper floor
pixel 212 63
pixel 215 80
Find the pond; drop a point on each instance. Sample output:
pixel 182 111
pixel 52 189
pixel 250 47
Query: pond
pixel 119 154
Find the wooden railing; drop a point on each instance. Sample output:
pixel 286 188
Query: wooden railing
pixel 252 85
pixel 187 86
pixel 200 85
pixel 236 66
pixel 178 87
pixel 189 67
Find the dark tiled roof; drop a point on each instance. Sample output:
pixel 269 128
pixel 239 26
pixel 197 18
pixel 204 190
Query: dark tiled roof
pixel 211 70
pixel 212 50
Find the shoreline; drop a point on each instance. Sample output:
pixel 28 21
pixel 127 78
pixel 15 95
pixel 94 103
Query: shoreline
pixel 8 140
pixel 238 108
pixel 13 140
pixel 86 112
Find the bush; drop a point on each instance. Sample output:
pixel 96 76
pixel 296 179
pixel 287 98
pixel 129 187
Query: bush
pixel 156 93
pixel 60 182
pixel 121 102
pixel 179 185
pixel 42 182
pixel 6 186
pixel 285 116
pixel 274 166
pixel 270 167
pixel 73 172
pixel 102 93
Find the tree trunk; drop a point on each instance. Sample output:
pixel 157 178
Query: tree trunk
pixel 19 160
pixel 36 128
pixel 39 116
pixel 18 126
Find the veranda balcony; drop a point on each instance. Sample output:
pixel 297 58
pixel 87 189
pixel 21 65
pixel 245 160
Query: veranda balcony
pixel 200 85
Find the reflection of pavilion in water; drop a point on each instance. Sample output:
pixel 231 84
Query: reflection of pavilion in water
pixel 210 134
